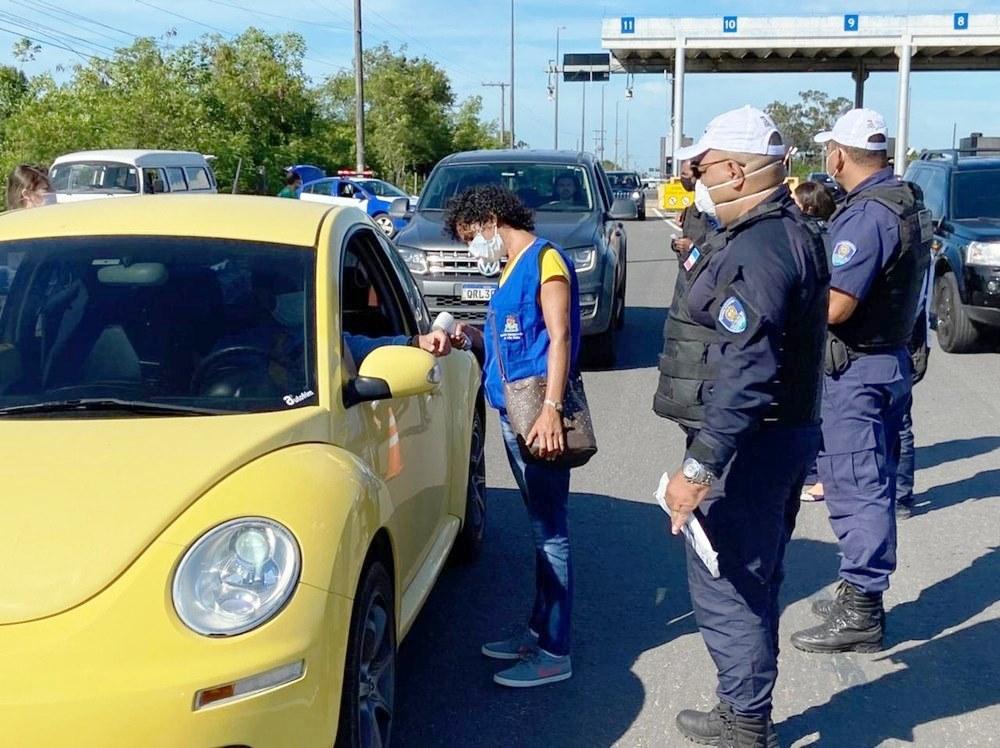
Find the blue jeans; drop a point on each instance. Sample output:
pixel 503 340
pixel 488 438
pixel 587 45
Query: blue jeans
pixel 907 459
pixel 545 490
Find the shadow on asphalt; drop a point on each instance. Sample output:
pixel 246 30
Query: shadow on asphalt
pixel 640 343
pixel 982 485
pixel 944 677
pixel 630 596
pixel 957 449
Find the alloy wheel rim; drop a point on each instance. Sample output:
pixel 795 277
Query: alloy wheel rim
pixel 944 317
pixel 385 223
pixel 376 676
pixel 477 477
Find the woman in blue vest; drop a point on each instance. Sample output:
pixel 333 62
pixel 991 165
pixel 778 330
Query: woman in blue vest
pixel 532 329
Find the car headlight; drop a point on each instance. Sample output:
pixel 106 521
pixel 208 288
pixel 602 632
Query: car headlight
pixel 584 258
pixel 636 195
pixel 983 253
pixel 415 259
pixel 236 576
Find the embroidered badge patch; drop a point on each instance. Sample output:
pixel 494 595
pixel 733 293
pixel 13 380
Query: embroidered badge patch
pixel 692 259
pixel 843 252
pixel 733 316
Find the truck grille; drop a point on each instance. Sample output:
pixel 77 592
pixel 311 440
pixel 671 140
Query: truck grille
pixel 458 262
pixel 464 311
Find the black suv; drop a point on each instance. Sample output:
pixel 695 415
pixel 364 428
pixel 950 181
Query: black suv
pixel 962 191
pixel 573 204
pixel 626 185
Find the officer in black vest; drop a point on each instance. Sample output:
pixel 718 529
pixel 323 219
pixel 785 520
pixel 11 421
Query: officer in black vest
pixel 881 237
pixel 759 305
pixel 685 344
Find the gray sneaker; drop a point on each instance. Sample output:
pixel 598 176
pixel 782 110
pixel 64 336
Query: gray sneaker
pixel 536 669
pixel 515 648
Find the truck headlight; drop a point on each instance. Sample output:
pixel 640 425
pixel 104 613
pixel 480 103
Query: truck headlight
pixel 236 576
pixel 584 258
pixel 983 253
pixel 415 259
pixel 636 195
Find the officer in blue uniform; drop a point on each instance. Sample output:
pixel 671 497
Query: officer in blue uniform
pixel 880 239
pixel 762 302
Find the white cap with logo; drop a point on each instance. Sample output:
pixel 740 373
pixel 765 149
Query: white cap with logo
pixel 855 129
pixel 743 130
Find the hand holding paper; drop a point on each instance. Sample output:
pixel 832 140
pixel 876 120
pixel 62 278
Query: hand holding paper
pixel 693 531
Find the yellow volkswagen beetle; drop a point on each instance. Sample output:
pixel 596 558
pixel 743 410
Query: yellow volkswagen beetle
pixel 227 490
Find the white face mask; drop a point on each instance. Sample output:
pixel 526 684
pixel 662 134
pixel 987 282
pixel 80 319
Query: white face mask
pixel 703 199
pixel 490 249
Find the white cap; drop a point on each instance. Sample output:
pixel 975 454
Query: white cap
pixel 743 130
pixel 855 128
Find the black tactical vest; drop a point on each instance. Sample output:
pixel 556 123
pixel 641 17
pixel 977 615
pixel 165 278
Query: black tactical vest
pixel 686 374
pixel 883 320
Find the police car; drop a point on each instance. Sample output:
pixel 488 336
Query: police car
pixel 361 190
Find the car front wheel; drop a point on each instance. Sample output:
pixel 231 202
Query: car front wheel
pixel 384 222
pixel 368 695
pixel 470 539
pixel 956 333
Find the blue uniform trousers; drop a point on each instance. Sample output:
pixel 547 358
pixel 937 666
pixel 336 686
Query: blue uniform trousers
pixel 749 516
pixel 907 458
pixel 862 417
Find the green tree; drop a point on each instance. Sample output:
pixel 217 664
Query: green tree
pixel 468 131
pixel 800 121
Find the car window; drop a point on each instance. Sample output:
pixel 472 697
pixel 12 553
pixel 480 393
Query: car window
pixel 544 187
pixel 604 186
pixel 94 176
pixel 935 187
pixel 197 178
pixel 410 289
pixel 976 194
pixel 154 181
pixel 383 189
pixel 209 323
pixel 175 179
pixel 319 188
pixel 624 181
pixel 371 296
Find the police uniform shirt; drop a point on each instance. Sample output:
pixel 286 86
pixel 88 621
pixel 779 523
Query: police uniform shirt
pixel 772 279
pixel 864 237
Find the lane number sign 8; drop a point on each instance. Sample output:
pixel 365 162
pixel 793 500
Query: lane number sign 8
pixel 961 21
pixel 729 24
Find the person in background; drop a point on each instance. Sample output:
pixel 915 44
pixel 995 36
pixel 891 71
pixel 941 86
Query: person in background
pixel 28 187
pixel 532 329
pixel 293 186
pixel 695 224
pixel 815 201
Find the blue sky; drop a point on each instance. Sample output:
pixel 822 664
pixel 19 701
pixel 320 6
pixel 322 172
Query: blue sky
pixel 470 40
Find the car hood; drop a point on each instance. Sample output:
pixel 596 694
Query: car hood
pixel 426 230
pixel 978 229
pixel 83 498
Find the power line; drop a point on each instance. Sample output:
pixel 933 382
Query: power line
pixel 42 29
pixel 275 15
pixel 55 9
pixel 22 35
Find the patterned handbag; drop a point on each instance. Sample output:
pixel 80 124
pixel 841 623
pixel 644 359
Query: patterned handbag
pixel 524 400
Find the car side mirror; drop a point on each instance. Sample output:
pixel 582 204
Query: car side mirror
pixel 624 210
pixel 393 371
pixel 400 208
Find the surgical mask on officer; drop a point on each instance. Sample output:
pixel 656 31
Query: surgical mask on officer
pixel 490 249
pixel 834 173
pixel 744 177
pixel 703 199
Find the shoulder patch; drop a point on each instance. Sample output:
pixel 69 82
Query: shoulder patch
pixel 843 253
pixel 733 316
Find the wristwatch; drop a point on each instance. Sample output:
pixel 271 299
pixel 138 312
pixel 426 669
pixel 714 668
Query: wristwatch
pixel 556 406
pixel 694 472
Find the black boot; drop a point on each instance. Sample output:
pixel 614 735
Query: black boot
pixel 706 727
pixel 746 732
pixel 822 608
pixel 855 625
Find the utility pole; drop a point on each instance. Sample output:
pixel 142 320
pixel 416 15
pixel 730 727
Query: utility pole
pixel 616 132
pixel 599 144
pixel 628 111
pixel 602 122
pixel 583 120
pixel 359 92
pixel 503 95
pixel 513 140
pixel 558 65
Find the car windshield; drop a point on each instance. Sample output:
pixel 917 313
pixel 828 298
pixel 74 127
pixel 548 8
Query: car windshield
pixel 625 181
pixel 547 188
pixel 382 189
pixel 976 194
pixel 158 321
pixel 95 176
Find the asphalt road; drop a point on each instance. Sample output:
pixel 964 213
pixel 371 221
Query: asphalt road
pixel 637 655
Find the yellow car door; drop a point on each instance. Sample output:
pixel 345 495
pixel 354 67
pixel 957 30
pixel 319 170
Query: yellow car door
pixel 406 437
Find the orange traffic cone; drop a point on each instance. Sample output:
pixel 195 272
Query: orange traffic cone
pixel 394 466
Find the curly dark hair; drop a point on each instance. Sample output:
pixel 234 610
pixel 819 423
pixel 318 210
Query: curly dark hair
pixel 483 204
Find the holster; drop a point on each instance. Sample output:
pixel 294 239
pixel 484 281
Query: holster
pixel 838 356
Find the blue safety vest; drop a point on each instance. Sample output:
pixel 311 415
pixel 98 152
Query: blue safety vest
pixel 517 342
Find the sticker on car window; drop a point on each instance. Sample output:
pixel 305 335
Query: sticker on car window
pixel 296 399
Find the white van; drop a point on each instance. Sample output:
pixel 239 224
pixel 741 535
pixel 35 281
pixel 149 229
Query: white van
pixel 87 175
